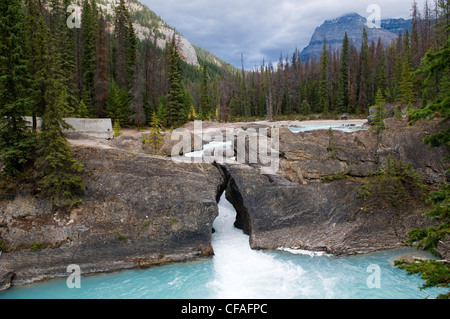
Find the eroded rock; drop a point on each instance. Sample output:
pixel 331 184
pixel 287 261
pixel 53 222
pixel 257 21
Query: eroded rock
pixel 138 211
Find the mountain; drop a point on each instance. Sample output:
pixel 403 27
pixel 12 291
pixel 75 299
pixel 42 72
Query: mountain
pixel 147 23
pixel 334 30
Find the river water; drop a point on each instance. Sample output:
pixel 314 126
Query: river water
pixel 237 272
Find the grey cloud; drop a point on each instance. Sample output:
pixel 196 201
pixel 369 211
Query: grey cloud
pixel 261 29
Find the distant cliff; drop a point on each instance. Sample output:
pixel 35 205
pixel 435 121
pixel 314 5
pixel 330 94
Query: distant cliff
pixel 334 30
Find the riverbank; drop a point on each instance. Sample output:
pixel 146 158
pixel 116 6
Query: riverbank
pixel 142 210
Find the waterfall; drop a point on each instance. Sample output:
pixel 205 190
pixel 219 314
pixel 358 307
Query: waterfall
pixel 243 273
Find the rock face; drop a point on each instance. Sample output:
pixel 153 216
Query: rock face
pixel 148 25
pixel 320 217
pixel 334 30
pixel 186 50
pixel 138 211
pixel 295 209
pixel 310 156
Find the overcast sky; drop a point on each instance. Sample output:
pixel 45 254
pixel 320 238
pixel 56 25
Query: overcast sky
pixel 261 29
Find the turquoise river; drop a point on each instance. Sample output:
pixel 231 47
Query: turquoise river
pixel 237 272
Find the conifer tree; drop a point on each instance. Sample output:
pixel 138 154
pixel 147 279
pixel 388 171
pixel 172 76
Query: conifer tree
pixel 407 96
pixel 243 96
pixel 323 84
pixel 363 73
pixel 415 45
pixel 161 112
pixel 125 47
pixel 117 130
pixel 65 48
pixel 343 90
pixel 15 90
pixel 305 108
pixel 155 137
pixel 176 110
pixel 59 173
pixel 380 112
pixel 38 39
pixel 117 104
pixel 286 103
pixel 84 111
pixel 131 47
pixel 382 74
pixel 101 71
pixel 89 36
pixel 204 106
pixel 189 106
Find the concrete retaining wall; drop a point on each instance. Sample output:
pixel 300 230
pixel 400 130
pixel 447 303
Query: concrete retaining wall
pixel 101 128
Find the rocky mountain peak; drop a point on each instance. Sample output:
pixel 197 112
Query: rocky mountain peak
pixel 333 31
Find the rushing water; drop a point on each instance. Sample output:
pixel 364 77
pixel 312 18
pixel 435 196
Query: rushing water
pixel 337 127
pixel 237 272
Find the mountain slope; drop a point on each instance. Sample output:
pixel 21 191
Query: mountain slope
pixel 148 24
pixel 334 30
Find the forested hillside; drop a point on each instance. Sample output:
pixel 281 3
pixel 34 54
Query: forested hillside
pixel 344 81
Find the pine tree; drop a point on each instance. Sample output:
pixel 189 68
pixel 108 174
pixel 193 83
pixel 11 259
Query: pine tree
pixel 363 73
pixel 101 71
pixel 382 78
pixel 415 45
pixel 86 104
pixel 155 138
pixel 161 112
pixel 343 90
pixel 117 104
pixel 286 103
pixel 59 173
pixel 189 106
pixel 380 112
pixel 38 39
pixel 323 84
pixel 243 95
pixel 395 86
pixel 131 51
pixel 204 105
pixel 15 90
pixel 84 111
pixel 176 110
pixel 89 35
pixel 117 130
pixel 305 108
pixel 407 96
pixel 125 47
pixel 65 48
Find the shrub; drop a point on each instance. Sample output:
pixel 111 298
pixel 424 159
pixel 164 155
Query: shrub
pixel 393 185
pixel 117 131
pixel 35 246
